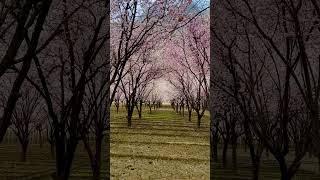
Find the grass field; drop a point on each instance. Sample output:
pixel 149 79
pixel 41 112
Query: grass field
pixel 163 145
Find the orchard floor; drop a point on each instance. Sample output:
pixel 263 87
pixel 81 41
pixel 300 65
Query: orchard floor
pixel 163 145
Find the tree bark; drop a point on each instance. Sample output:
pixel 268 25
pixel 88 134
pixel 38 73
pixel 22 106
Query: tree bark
pixel 183 110
pixel 65 160
pixel 97 167
pixel 40 138
pixel 234 155
pixel 129 117
pixel 215 149
pixel 255 159
pixel 225 152
pixel 283 169
pixel 319 163
pixel 24 148
pixel 189 115
pixel 256 170
pixel 96 160
pixel 52 150
pixel 199 120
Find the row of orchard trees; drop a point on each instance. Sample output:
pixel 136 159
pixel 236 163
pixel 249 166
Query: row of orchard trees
pixel 141 72
pixel 265 65
pixel 146 98
pixel 54 59
pixel 136 62
pixel 188 66
pixel 57 67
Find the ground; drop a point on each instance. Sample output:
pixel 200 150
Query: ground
pixel 163 145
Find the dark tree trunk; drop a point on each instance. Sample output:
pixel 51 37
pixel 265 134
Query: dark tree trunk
pixel 234 155
pixel 214 145
pixel 225 152
pixel 130 109
pixel 64 159
pixel 24 148
pixel 310 154
pixel 199 120
pixel 319 163
pixel 255 159
pixel 52 150
pixel 256 162
pixel 117 109
pixel 96 167
pixel 283 169
pixel 140 110
pixel 256 170
pixel 183 110
pixel 40 138
pixel 129 117
pixel 189 114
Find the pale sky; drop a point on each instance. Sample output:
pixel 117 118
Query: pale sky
pixel 165 89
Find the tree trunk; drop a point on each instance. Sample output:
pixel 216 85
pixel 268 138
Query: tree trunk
pixel 255 159
pixel 234 155
pixel 286 174
pixel 129 117
pixel 245 147
pixel 183 110
pixel 224 152
pixel 24 147
pixel 310 154
pixel 117 109
pixel 283 169
pixel 106 153
pixel 189 115
pixel 256 170
pixel 318 163
pixel 40 138
pixel 65 160
pixel 140 110
pixel 52 150
pixel 215 147
pixel 199 120
pixel 212 153
pixel 96 172
pixel 96 167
